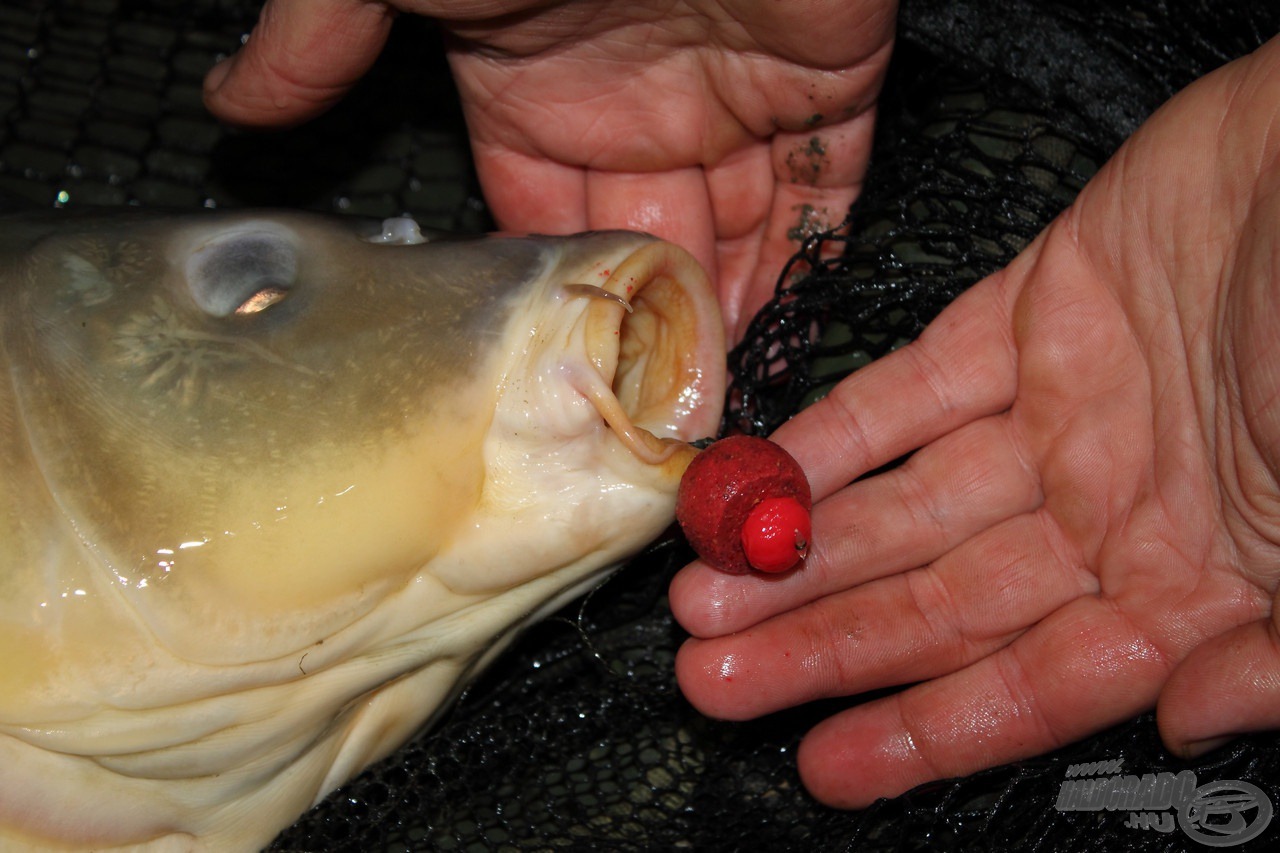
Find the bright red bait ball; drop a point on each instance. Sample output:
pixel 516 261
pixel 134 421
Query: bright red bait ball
pixel 776 534
pixel 723 485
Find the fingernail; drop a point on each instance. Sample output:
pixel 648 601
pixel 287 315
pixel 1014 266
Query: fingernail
pixel 1197 748
pixel 218 75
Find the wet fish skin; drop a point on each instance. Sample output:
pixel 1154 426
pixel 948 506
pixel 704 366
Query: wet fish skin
pixel 272 492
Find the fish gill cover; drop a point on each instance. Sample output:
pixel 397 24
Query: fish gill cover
pixel 994 116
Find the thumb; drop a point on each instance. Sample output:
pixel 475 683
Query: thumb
pixel 301 58
pixel 1227 686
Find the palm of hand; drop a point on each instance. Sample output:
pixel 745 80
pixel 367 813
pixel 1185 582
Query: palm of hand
pixel 1090 521
pixel 724 127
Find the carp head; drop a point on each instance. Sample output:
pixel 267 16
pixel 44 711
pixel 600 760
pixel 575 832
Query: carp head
pixel 277 485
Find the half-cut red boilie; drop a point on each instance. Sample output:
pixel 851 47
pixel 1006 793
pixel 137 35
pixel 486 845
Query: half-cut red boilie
pixel 721 488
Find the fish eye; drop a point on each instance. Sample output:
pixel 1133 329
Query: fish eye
pixel 262 300
pixel 241 273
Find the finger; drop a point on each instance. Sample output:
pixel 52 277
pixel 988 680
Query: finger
pixel 530 194
pixel 817 174
pixel 962 368
pixel 673 205
pixel 527 192
pixel 909 627
pixel 960 485
pixel 1227 686
pixel 1078 672
pixel 741 188
pixel 301 58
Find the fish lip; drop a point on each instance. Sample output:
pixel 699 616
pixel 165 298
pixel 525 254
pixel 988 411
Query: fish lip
pixel 662 359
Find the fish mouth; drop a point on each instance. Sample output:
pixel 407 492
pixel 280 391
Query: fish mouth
pixel 656 341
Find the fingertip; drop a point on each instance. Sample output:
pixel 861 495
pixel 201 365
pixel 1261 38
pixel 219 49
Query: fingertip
pixel 825 769
pixel 710 603
pixel 222 95
pixel 855 758
pixel 1226 686
pixel 715 680
pixel 687 603
pixel 702 599
pixel 244 90
pixel 217 75
pixel 300 59
pixel 1195 749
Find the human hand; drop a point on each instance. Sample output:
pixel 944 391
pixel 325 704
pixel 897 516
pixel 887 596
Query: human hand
pixel 726 127
pixel 1090 522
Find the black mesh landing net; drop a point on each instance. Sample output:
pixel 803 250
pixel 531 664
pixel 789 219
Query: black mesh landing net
pixel 995 114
